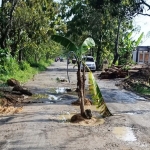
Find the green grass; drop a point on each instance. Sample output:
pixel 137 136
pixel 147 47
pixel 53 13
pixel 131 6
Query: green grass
pixel 24 71
pixel 144 90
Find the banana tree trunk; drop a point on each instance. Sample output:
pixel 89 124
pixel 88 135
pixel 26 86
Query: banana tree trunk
pixel 81 83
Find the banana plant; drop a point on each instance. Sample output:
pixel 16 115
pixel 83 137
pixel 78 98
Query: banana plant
pixel 128 45
pixel 78 52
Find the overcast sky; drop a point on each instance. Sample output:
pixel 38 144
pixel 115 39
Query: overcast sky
pixel 144 22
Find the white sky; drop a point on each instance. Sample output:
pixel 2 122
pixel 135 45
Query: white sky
pixel 144 22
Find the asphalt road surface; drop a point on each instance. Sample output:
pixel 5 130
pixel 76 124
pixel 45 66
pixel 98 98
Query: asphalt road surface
pixel 42 125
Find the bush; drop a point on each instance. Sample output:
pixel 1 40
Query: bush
pixel 24 65
pixel 22 71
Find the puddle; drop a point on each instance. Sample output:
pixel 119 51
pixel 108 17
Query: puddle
pixel 49 102
pixel 68 90
pixel 124 133
pixel 61 90
pixel 63 95
pixel 120 96
pixel 53 97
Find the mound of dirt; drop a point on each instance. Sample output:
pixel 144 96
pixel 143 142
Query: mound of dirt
pixel 77 119
pixel 138 82
pixel 12 98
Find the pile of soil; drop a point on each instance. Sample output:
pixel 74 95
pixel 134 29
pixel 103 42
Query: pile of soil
pixel 113 72
pixel 79 120
pixel 139 79
pixel 12 95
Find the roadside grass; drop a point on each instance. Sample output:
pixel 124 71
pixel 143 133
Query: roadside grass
pixel 24 71
pixel 141 89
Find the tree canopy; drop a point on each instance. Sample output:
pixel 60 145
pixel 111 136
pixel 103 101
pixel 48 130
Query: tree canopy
pixel 26 26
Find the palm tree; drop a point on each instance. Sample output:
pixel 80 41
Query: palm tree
pixel 78 52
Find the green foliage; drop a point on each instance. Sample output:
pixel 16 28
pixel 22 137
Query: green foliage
pixel 22 71
pixel 11 66
pixel 127 47
pixel 23 65
pixel 142 90
pixel 68 44
pixel 65 42
pixel 27 36
pixel 86 45
pixel 99 22
pixel 41 65
pixel 12 69
pixel 97 96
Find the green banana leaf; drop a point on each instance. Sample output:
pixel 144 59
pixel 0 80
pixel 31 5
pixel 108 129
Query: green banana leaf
pixel 65 42
pixel 86 45
pixel 139 39
pixel 97 96
pixel 129 35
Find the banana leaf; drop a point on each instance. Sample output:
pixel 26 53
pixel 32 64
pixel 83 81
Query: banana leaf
pixel 97 96
pixel 65 42
pixel 139 39
pixel 86 45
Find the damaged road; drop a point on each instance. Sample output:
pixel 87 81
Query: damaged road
pixel 43 125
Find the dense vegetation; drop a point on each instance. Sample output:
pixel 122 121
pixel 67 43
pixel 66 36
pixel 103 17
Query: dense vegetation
pixel 25 31
pixel 26 27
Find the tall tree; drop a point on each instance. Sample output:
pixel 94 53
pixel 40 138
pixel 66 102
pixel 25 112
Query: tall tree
pixel 6 20
pixel 26 33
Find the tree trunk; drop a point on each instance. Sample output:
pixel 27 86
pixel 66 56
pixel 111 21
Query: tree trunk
pixel 80 89
pixel 98 58
pixel 116 55
pixel 6 29
pixel 20 55
pixel 35 58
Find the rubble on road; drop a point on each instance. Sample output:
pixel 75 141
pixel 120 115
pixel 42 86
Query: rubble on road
pixel 113 72
pixel 12 94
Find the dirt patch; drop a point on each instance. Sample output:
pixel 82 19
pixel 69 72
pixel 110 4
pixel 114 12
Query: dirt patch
pixel 12 97
pixel 10 110
pixel 77 119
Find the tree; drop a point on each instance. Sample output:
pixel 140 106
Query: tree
pixel 122 11
pixel 6 19
pixel 24 33
pixel 140 6
pixel 78 52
